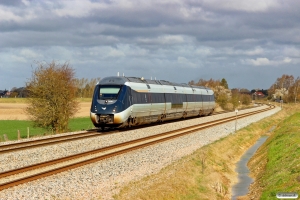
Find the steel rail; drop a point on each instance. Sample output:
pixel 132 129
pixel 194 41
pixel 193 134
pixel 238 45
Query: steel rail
pixel 182 131
pixel 46 141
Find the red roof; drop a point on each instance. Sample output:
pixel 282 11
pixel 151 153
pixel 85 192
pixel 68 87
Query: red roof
pixel 259 94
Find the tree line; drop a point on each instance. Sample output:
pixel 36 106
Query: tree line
pixel 225 97
pixel 84 89
pixel 285 88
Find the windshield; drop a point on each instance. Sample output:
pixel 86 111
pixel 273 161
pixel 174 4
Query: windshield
pixel 108 92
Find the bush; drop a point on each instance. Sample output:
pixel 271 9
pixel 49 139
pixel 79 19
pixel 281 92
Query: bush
pixel 52 95
pixel 222 100
pixel 246 99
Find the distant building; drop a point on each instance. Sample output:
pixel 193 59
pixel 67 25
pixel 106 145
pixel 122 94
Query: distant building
pixel 258 95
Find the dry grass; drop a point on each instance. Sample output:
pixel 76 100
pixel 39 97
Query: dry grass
pixel 208 173
pixel 16 110
pixel 24 100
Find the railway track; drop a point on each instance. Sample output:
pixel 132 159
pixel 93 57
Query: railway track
pixel 29 173
pixel 46 141
pixel 7 148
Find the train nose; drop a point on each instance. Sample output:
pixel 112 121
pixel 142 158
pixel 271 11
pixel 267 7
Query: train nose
pixel 104 119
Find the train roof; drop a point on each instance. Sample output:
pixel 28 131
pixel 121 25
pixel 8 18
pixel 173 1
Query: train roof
pixel 119 80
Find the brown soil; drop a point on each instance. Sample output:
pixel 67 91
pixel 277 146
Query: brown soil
pixel 16 111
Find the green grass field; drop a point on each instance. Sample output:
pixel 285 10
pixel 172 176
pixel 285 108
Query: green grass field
pixel 11 127
pixel 13 100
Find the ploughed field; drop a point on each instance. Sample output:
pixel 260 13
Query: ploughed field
pixel 16 111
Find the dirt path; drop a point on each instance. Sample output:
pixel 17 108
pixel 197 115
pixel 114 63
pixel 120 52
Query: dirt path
pixel 16 111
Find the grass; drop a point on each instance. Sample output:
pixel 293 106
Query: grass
pixel 11 127
pixel 82 123
pixel 13 100
pixel 282 171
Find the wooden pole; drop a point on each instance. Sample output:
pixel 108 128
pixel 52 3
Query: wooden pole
pixel 27 132
pixel 5 137
pixel 19 137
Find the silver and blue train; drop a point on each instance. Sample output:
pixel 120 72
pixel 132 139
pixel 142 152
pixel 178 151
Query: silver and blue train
pixel 120 101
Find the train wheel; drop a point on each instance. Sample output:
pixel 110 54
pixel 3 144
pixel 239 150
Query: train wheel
pixel 162 118
pixel 129 122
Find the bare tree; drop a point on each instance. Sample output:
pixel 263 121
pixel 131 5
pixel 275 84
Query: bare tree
pixel 293 91
pixel 85 87
pixel 286 88
pixel 90 87
pixel 222 95
pixel 285 81
pixel 80 85
pixel 52 95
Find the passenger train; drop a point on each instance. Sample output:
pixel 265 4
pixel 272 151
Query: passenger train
pixel 120 101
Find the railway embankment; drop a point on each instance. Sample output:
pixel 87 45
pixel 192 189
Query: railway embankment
pixel 209 173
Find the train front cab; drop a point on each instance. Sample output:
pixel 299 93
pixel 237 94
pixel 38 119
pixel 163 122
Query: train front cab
pixel 109 105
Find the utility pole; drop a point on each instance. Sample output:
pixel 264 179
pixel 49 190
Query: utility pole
pixel 236 111
pixel 296 90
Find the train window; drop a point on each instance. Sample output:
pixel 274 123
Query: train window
pixel 109 92
pixel 148 86
pixel 175 88
pixel 157 98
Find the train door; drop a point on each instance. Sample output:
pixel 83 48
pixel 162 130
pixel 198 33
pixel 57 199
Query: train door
pixel 201 102
pixel 130 100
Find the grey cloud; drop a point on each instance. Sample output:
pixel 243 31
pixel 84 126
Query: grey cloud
pixel 11 2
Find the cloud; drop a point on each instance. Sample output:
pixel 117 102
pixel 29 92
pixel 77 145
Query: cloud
pixel 164 40
pixel 18 59
pixel 115 53
pixel 257 62
pixel 242 5
pixel 287 60
pixel 77 8
pixel 184 62
pixel 204 51
pixel 291 51
pixel 30 54
pixel 266 61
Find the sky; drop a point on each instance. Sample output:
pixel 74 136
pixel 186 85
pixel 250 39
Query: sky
pixel 250 43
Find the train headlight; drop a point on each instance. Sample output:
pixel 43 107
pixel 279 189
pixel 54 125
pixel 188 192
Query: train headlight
pixel 115 108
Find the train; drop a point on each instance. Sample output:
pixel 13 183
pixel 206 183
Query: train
pixel 120 101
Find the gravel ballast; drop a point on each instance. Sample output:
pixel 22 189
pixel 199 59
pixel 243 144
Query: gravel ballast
pixel 104 179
